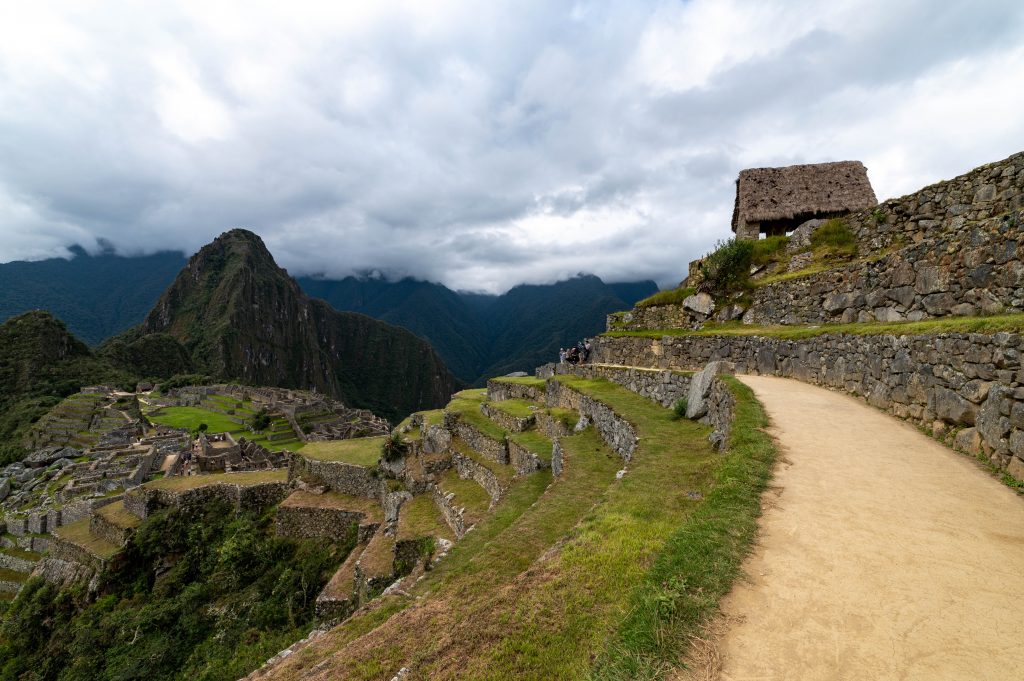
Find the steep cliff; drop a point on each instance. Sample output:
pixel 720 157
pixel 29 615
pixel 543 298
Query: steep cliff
pixel 240 316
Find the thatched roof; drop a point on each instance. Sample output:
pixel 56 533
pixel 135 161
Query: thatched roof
pixel 810 190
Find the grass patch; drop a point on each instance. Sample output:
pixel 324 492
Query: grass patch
pixel 116 514
pixel 468 407
pixel 379 556
pixel 532 381
pixel 180 482
pixel 468 494
pixel 7 575
pixel 534 441
pixel 568 417
pixel 1013 323
pixel 360 451
pixel 702 558
pixel 834 239
pixel 78 534
pixel 813 268
pixel 768 249
pixel 191 417
pixel 434 417
pixel 517 408
pixel 674 296
pixel 420 517
pixel 21 553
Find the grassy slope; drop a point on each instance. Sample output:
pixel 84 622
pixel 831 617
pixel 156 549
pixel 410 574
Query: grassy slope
pixel 360 451
pixel 193 481
pixel 1013 323
pixel 640 569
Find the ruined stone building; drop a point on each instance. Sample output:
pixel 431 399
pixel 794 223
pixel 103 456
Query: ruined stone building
pixel 775 201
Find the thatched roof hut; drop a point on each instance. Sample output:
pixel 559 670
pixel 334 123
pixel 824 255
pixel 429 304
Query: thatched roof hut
pixel 777 200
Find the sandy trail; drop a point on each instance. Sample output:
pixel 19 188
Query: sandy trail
pixel 883 554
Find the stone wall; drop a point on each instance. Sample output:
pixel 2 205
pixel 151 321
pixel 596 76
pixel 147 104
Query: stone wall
pixel 452 516
pixel 308 522
pixel 498 389
pixel 142 501
pixel 966 388
pixel 976 269
pixel 483 476
pixel 987 191
pixel 341 477
pixel 62 549
pixel 108 531
pixel 615 430
pixel 496 450
pixel 513 424
pixel 658 385
pixel 523 460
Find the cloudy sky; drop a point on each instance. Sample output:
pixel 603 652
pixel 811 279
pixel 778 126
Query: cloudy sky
pixel 480 144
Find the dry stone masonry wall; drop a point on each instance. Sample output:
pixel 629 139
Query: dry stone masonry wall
pixel 968 388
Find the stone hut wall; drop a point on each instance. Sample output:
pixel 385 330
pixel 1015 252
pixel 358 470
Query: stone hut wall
pixel 968 388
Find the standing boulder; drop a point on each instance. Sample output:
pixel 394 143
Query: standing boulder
pixel 700 387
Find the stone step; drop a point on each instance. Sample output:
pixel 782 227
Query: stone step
pixel 514 415
pixel 340 597
pixel 494 477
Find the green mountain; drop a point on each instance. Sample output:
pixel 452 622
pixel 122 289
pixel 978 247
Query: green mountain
pixel 482 335
pixel 96 296
pixel 40 364
pixel 240 316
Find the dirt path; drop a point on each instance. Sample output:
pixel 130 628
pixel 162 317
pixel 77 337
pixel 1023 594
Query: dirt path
pixel 883 554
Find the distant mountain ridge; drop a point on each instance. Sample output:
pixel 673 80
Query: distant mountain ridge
pixel 240 316
pixel 477 335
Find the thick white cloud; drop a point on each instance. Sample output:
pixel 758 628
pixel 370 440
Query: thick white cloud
pixel 477 144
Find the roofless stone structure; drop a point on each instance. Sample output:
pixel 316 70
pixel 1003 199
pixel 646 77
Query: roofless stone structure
pixel 774 201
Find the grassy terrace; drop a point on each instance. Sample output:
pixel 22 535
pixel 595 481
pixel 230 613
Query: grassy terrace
pixel 420 517
pixel 518 408
pixel 12 576
pixel 379 555
pixel 116 514
pixel 334 500
pixel 534 441
pixel 502 472
pixel 21 553
pixel 178 482
pixel 467 403
pixel 1011 323
pixel 468 494
pixel 78 534
pixel 522 380
pixel 360 451
pixel 639 564
pixel 191 417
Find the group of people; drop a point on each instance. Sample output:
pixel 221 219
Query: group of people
pixel 578 354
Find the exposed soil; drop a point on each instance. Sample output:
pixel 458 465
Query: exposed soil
pixel 882 555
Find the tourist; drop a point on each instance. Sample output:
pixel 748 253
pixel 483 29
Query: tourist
pixel 586 350
pixel 561 355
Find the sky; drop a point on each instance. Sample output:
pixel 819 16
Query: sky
pixel 477 144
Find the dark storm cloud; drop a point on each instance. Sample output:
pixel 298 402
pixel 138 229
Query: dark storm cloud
pixel 481 145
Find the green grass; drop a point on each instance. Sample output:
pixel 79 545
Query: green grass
pixel 674 296
pixel 467 403
pixel 468 494
pixel 116 514
pixel 815 267
pixel 12 576
pixel 78 534
pixel 420 517
pixel 534 441
pixel 769 249
pixel 502 472
pixel 21 553
pixel 522 380
pixel 434 417
pixel 568 417
pixel 1013 323
pixel 518 408
pixel 179 482
pixel 360 451
pixel 191 417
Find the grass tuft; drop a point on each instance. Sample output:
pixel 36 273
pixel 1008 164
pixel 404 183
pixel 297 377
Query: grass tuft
pixel 674 296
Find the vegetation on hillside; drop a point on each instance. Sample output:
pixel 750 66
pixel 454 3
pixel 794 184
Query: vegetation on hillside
pixel 40 364
pixel 208 597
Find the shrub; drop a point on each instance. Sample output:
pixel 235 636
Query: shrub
pixel 767 250
pixel 727 269
pixel 834 238
pixel 679 408
pixel 393 448
pixel 260 420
